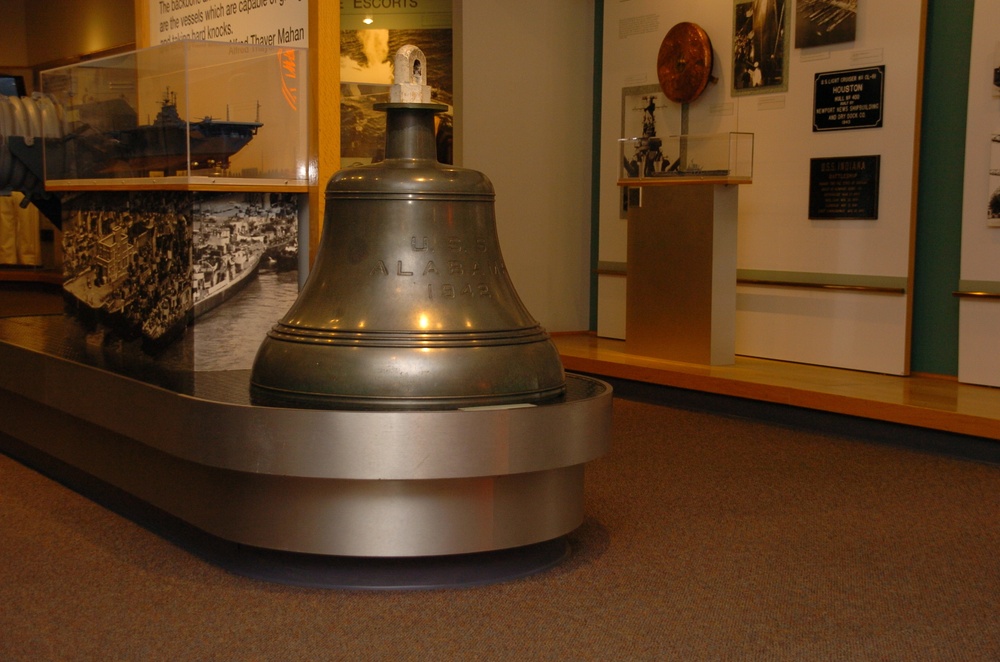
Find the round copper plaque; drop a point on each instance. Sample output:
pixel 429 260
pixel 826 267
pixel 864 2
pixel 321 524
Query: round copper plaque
pixel 684 63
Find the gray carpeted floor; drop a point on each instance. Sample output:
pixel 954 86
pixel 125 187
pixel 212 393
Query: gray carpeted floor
pixel 707 538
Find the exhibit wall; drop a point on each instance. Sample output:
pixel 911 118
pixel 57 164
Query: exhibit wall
pixel 60 29
pixel 524 114
pixel 14 45
pixel 832 276
pixel 979 305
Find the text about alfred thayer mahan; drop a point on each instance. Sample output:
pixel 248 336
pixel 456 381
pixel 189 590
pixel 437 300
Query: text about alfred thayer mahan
pixel 263 22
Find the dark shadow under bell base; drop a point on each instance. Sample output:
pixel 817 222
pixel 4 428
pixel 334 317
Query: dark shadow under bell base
pixel 409 573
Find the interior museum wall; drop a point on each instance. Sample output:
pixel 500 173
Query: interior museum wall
pixel 842 329
pixel 524 114
pixel 979 318
pixel 58 29
pixel 866 332
pixel 13 44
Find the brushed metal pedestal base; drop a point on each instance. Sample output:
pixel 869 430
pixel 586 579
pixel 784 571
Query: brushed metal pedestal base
pixel 297 569
pixel 391 485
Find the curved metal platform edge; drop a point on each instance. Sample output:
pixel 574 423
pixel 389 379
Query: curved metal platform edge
pixel 298 569
pixel 346 483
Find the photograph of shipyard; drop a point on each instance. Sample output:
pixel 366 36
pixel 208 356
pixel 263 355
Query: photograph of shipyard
pixel 824 22
pixel 153 264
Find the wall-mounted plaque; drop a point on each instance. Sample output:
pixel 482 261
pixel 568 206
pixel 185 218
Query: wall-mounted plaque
pixel 844 187
pixel 850 99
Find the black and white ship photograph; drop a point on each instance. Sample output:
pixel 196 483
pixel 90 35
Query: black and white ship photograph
pixel 825 22
pixel 150 265
pixel 366 72
pixel 760 47
pixel 993 207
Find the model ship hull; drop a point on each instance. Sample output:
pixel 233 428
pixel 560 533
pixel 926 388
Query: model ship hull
pixel 166 149
pixel 108 141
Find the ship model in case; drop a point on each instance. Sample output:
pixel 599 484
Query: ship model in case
pixel 166 146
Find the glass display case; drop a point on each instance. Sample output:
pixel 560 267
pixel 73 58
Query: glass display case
pixel 719 155
pixel 188 113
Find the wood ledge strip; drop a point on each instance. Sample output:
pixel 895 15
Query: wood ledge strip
pixel 822 286
pixel 868 284
pixel 976 295
pixel 834 403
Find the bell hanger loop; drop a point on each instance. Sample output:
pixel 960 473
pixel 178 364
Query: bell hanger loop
pixel 410 111
pixel 409 81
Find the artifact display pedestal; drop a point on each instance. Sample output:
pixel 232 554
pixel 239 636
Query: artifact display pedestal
pixel 297 486
pixel 681 288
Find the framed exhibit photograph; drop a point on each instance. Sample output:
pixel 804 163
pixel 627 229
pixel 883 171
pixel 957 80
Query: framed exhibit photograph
pixel 11 85
pixel 760 46
pixel 993 206
pixel 825 22
pixel 996 69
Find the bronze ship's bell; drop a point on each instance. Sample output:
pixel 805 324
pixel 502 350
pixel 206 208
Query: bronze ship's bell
pixel 408 305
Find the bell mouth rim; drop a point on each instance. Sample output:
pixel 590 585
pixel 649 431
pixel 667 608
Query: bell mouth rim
pixel 376 194
pixel 271 396
pixel 407 339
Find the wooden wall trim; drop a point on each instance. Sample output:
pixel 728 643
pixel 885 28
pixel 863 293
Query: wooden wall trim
pixel 324 111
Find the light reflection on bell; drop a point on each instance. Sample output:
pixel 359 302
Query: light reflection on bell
pixel 408 305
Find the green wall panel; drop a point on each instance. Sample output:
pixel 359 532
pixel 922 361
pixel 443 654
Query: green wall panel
pixel 937 268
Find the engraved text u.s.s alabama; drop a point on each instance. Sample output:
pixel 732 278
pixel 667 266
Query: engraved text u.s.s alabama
pixel 462 269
